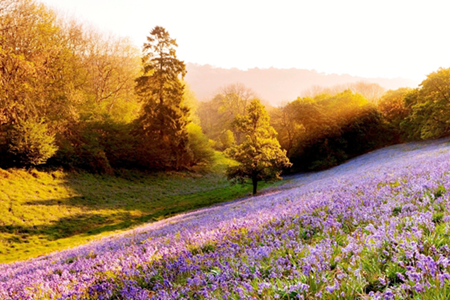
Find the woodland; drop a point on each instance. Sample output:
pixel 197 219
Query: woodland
pixel 73 97
pixel 117 183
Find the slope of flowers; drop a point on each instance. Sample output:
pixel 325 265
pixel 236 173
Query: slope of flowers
pixel 374 228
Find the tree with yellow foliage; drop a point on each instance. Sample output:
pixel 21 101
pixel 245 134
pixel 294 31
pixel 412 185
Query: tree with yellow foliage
pixel 260 155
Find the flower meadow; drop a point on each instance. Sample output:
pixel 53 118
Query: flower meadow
pixel 377 227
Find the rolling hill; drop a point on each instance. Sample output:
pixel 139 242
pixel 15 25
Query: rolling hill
pixel 274 85
pixel 376 227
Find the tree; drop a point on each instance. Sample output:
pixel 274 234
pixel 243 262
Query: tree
pixel 429 116
pixel 226 139
pixel 371 91
pixel 110 67
pixel 392 107
pixel 31 48
pixel 30 142
pixel 33 81
pixel 260 155
pixel 164 117
pixel 322 132
pixel 199 145
pixel 217 115
pixel 289 130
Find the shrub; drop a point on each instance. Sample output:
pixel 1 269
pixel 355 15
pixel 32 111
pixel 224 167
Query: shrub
pixel 199 145
pixel 30 142
pixel 98 147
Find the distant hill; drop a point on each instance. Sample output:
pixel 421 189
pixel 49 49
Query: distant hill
pixel 274 85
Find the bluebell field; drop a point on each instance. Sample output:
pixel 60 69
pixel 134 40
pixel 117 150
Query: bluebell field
pixel 376 227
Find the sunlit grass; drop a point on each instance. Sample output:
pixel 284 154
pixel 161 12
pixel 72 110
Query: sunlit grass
pixel 41 212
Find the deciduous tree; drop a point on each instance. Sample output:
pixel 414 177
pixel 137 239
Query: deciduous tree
pixel 199 145
pixel 394 110
pixel 371 91
pixel 217 115
pixel 31 51
pixel 429 107
pixel 260 155
pixel 30 142
pixel 327 130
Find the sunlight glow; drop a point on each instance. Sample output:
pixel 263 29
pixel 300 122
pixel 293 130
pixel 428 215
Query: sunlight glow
pixel 360 38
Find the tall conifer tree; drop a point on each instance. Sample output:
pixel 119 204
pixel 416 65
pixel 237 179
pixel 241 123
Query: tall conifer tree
pixel 164 117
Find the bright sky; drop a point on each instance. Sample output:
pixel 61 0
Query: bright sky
pixel 377 38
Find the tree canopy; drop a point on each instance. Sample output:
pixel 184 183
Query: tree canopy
pixel 429 107
pixel 326 130
pixel 260 155
pixel 217 115
pixel 75 97
pixel 58 75
pixel 164 117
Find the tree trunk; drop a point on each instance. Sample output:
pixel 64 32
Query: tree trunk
pixel 255 184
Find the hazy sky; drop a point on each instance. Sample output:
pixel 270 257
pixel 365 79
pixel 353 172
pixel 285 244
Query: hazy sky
pixel 382 38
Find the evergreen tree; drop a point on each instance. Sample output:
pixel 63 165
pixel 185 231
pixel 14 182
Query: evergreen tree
pixel 164 118
pixel 260 155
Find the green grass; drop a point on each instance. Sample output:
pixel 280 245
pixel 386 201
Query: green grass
pixel 41 212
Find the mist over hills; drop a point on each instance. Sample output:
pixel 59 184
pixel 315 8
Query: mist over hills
pixel 275 85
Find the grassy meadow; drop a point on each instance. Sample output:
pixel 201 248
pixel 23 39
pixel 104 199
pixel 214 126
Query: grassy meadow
pixel 377 227
pixel 41 212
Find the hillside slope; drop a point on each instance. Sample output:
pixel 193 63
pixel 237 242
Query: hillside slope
pixel 274 85
pixel 41 212
pixel 374 227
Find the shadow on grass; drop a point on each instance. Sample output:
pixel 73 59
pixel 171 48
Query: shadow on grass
pixel 82 225
pixel 47 211
pixel 62 228
pixel 116 215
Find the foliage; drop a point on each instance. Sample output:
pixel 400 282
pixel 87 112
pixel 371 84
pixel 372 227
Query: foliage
pixel 98 147
pixel 429 116
pixel 226 140
pixel 325 131
pixel 260 155
pixel 109 67
pixel 46 211
pixel 369 229
pixel 392 107
pixel 191 102
pixel 30 142
pixel 289 121
pixel 30 55
pixel 162 124
pixel 217 115
pixel 68 74
pixel 199 145
pixel 371 91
